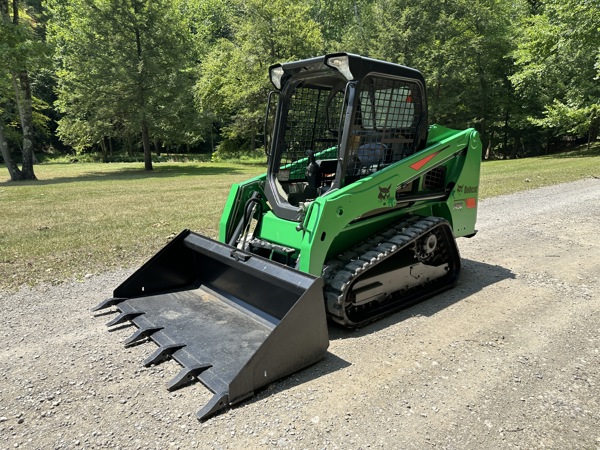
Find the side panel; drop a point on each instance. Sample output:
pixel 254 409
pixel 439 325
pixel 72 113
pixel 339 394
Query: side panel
pixel 341 218
pixel 381 196
pixel 462 203
pixel 280 231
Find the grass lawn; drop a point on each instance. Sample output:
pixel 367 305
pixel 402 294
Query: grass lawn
pixel 88 218
pixel 505 177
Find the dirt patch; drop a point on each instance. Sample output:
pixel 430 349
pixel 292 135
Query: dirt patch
pixel 509 358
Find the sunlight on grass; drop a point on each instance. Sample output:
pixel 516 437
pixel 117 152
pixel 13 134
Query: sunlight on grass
pixel 89 218
pixel 86 218
pixel 505 177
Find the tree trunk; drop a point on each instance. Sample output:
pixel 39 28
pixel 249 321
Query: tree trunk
pixel 4 9
pixel 104 150
pixel 22 89
pixel 515 149
pixel 592 132
pixel 13 169
pixel 146 144
pixel 253 140
pixel 23 96
pixel 488 151
pixel 505 141
pixel 142 98
pixel 128 145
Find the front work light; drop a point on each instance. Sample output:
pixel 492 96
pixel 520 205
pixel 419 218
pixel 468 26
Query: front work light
pixel 342 64
pixel 276 73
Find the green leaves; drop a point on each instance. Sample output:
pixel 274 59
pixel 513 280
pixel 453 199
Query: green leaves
pixel 20 45
pixel 557 59
pixel 122 66
pixel 190 71
pixel 234 81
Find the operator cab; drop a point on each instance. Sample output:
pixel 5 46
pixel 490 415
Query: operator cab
pixel 339 118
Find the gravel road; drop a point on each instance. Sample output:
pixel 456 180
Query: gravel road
pixel 510 358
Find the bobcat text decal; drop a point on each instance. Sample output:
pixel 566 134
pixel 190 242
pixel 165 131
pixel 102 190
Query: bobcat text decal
pixel 460 189
pixel 470 202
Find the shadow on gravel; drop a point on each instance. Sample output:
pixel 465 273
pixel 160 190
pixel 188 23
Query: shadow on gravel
pixel 474 277
pixel 329 364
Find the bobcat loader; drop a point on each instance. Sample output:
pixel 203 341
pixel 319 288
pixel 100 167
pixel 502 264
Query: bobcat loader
pixel 355 218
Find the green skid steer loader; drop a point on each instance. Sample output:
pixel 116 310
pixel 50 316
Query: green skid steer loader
pixel 355 218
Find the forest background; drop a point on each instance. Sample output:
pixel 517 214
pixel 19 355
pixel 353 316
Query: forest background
pixel 112 80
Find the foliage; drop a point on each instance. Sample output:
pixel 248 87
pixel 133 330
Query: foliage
pixel 346 25
pixel 123 66
pixel 21 46
pixel 461 47
pixel 234 80
pixel 191 75
pixel 558 59
pixel 23 55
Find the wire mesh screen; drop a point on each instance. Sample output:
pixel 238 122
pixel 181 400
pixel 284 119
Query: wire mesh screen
pixel 435 178
pixel 385 125
pixel 312 124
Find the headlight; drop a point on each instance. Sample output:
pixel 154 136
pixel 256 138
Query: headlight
pixel 276 73
pixel 342 64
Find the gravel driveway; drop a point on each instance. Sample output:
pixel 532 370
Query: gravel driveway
pixel 508 358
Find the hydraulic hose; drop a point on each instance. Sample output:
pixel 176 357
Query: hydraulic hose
pixel 255 201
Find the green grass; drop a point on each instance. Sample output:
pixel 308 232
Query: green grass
pixel 92 217
pixel 88 218
pixel 508 176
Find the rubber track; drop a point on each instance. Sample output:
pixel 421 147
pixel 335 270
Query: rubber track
pixel 345 268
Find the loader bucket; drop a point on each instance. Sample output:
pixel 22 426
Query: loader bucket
pixel 233 320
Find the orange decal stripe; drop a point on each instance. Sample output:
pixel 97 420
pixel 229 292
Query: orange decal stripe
pixel 424 161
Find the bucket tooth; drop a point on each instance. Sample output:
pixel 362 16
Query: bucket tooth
pixel 108 303
pixel 217 403
pixel 161 354
pixel 124 317
pixel 140 334
pixel 233 324
pixel 186 375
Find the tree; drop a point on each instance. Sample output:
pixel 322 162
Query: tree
pixel 234 80
pixel 558 60
pixel 124 68
pixel 22 51
pixel 346 25
pixel 461 47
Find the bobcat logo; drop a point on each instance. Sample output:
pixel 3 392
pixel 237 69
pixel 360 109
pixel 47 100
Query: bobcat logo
pixel 384 194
